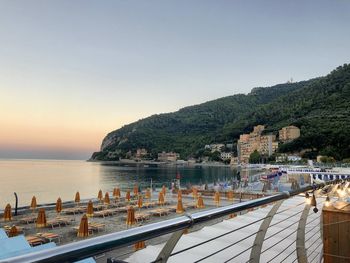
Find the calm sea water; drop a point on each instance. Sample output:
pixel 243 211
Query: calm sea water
pixel 50 179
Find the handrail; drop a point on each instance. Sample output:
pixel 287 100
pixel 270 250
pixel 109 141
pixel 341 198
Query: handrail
pixel 98 245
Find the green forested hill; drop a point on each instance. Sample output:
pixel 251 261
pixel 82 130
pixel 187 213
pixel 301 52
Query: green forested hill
pixel 320 107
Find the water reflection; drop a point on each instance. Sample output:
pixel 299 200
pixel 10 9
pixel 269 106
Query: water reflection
pixel 50 179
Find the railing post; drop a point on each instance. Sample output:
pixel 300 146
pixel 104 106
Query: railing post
pixel 169 247
pixel 300 242
pixel 260 236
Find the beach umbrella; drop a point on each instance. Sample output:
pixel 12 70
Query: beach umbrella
pixel 130 219
pixel 217 198
pixel 90 209
pixel 7 213
pixel 136 189
pixel 148 193
pixel 83 227
pixel 77 198
pixel 127 196
pixel 13 231
pixel 179 194
pixel 194 192
pixel 164 190
pixel 116 192
pixel 179 207
pixel 33 204
pixel 107 200
pixel 139 245
pixel 41 220
pixel 139 201
pixel 230 195
pixel 100 196
pixel 161 198
pixel 58 205
pixel 200 203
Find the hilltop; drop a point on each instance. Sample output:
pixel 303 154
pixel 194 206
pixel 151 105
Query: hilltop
pixel 320 107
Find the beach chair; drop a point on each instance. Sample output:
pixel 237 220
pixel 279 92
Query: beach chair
pixel 50 237
pixel 97 226
pixel 28 219
pixel 53 223
pixel 34 240
pixel 90 229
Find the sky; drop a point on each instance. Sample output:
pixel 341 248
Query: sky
pixel 72 71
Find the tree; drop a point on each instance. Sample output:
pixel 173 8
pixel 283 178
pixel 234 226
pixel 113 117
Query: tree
pixel 254 157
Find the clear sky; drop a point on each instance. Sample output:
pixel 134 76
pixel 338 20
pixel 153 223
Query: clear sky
pixel 72 71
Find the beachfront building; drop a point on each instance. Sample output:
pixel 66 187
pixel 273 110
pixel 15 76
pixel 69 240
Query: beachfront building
pixel 141 153
pixel 255 141
pixel 289 133
pixel 168 156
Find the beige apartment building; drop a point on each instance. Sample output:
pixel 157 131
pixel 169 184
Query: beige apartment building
pixel 248 143
pixel 289 133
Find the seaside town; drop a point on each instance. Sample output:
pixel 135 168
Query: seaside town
pixel 265 146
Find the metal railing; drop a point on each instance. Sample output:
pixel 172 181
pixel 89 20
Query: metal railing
pixel 102 244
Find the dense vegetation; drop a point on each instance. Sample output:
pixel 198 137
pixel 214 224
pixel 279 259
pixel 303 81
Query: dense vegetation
pixel 319 107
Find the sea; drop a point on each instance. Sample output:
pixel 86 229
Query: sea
pixel 50 179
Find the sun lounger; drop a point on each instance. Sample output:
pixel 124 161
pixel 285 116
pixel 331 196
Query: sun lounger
pixel 28 219
pixel 53 223
pixel 104 213
pixel 97 226
pixel 49 236
pixel 142 216
pixel 149 204
pixel 160 212
pixel 90 229
pixel 74 210
pixel 34 240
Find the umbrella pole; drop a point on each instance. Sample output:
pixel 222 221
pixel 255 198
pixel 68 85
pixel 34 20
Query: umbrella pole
pixel 16 206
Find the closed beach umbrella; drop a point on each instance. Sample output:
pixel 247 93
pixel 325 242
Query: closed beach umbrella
pixel 164 190
pixel 217 198
pixel 58 205
pixel 148 193
pixel 41 220
pixel 161 198
pixel 179 207
pixel 230 195
pixel 83 227
pixel 127 196
pixel 13 231
pixel 116 192
pixel 90 209
pixel 194 192
pixel 107 200
pixel 200 203
pixel 7 213
pixel 179 194
pixel 77 198
pixel 136 189
pixel 100 196
pixel 140 201
pixel 33 204
pixel 130 219
pixel 139 245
